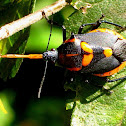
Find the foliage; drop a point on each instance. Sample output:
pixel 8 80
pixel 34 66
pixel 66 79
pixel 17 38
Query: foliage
pixel 90 105
pixel 10 11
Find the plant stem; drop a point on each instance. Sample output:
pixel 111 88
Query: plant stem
pixel 15 26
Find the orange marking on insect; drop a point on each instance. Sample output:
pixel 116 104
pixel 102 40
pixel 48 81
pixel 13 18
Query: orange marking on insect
pixel 109 73
pixel 69 55
pixel 107 31
pixel 75 69
pixel 107 52
pixel 86 47
pixel 87 59
pixel 69 40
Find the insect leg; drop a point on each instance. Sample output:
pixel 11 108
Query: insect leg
pixel 121 78
pixel 63 27
pixel 98 23
pixel 83 25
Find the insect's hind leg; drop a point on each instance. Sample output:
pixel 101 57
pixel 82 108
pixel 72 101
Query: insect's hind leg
pixel 83 25
pixel 121 78
pixel 98 23
pixel 95 25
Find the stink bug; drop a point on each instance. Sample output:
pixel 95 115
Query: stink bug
pixel 101 52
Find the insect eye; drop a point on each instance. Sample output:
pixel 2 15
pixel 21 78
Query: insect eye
pixel 52 49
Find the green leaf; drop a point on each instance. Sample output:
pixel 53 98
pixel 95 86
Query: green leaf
pixel 10 11
pixel 92 106
pixel 7 114
pixel 92 10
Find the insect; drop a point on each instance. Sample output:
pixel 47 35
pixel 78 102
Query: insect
pixel 101 52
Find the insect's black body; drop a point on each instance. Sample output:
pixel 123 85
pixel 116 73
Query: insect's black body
pixel 71 53
pixel 100 64
pixel 101 52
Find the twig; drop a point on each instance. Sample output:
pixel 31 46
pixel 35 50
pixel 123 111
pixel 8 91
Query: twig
pixel 15 26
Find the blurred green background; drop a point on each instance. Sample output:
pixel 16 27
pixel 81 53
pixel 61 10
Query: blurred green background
pixel 40 31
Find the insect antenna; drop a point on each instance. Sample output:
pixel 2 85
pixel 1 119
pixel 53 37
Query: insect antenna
pixel 46 63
